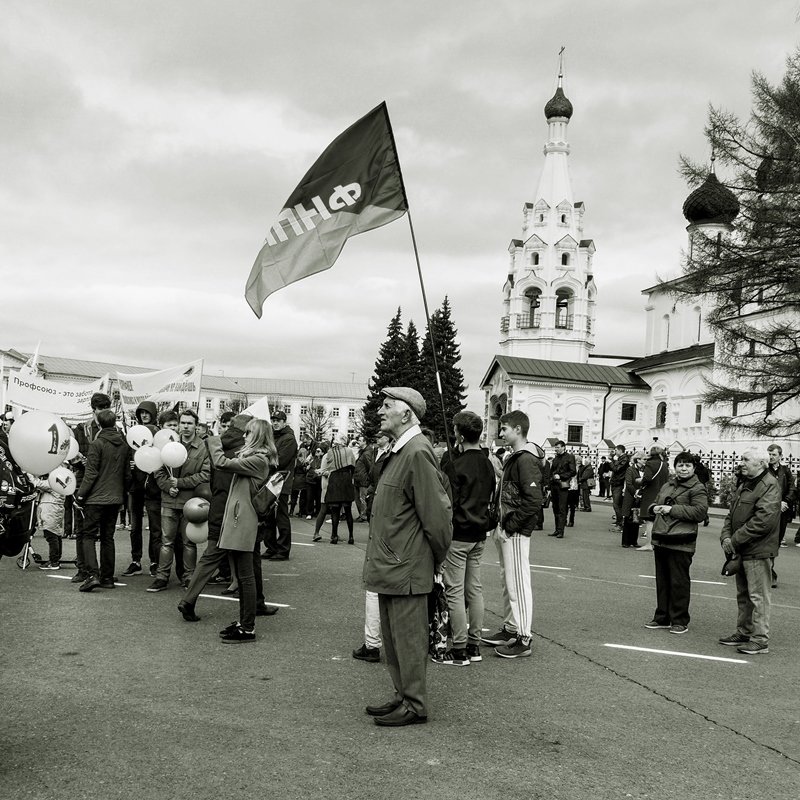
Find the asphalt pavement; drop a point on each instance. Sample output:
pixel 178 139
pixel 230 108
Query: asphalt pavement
pixel 113 695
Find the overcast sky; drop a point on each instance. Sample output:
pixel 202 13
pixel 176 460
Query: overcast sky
pixel 146 147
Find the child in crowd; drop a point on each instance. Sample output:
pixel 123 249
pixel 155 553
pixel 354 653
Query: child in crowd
pixel 50 519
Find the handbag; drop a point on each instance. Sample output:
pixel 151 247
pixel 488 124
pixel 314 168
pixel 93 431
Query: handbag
pixel 265 495
pixel 591 483
pixel 438 619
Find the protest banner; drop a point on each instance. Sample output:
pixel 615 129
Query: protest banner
pixel 30 391
pixel 164 387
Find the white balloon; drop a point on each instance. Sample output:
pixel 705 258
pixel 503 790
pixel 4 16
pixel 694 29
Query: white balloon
pixel 39 442
pixel 138 436
pixel 74 449
pixel 174 454
pixel 164 436
pixel 62 481
pixel 148 459
pixel 197 532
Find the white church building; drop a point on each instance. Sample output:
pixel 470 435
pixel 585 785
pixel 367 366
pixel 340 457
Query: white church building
pixel 545 365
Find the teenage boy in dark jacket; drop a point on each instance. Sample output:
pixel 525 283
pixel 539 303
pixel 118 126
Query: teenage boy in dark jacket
pixel 619 467
pixel 520 504
pixel 101 493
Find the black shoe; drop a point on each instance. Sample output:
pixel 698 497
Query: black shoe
pixel 382 711
pixel 266 611
pixel 187 610
pixel 230 629
pixel 351 540
pixel 570 524
pixel 554 533
pixel 135 568
pixel 229 592
pixel 317 539
pixel 370 654
pixel 221 579
pixel 278 558
pixel 107 584
pixel 334 540
pixel 399 717
pixel 79 577
pixel 89 584
pixel 239 634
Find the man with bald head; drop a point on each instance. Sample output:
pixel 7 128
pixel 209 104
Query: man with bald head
pixel 409 534
pixel 751 531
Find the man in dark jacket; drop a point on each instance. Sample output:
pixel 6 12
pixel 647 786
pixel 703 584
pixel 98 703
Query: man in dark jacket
pixel 520 505
pixel 145 415
pixel 410 531
pixel 278 524
pixel 562 471
pixel 100 495
pixel 751 531
pixel 619 467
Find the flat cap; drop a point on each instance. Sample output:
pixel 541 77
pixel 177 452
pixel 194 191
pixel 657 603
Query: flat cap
pixel 415 400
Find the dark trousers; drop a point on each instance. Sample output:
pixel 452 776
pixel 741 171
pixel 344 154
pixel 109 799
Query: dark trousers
pixel 136 517
pixel 207 565
pixel 616 496
pixel 298 501
pixel 153 509
pixel 572 505
pixel 586 498
pixel 630 532
pixel 604 491
pixel 404 627
pixel 313 498
pixel 100 523
pixel 673 586
pixel 78 527
pixel 54 544
pixel 278 529
pixel 559 500
pixel 245 576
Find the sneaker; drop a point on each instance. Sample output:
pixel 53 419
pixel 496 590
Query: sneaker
pixel 643 547
pixel 239 634
pixel 735 640
pixel 502 637
pixel 784 544
pixel 797 544
pixel 370 654
pixel 678 629
pixel 654 625
pixel 153 570
pixel 229 629
pixel 107 584
pixel 158 585
pixel 79 577
pixel 474 652
pixel 754 648
pixel 452 658
pixel 89 584
pixel 49 566
pixel 135 568
pixel 520 648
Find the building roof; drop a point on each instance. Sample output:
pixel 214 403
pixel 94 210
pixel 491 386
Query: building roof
pixel 527 369
pixel 711 202
pixel 72 368
pixel 558 105
pixel 695 352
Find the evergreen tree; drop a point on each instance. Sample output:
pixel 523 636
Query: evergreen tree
pixel 448 355
pixel 388 367
pixel 751 276
pixel 410 358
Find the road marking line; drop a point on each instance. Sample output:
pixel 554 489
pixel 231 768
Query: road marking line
pixel 712 583
pixel 304 544
pixel 62 577
pixel 676 653
pixel 236 600
pixel 541 566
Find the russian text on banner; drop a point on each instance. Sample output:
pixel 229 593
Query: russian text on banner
pixel 353 187
pixel 173 385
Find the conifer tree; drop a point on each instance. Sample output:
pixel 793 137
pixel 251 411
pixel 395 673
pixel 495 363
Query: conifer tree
pixel 751 277
pixel 448 355
pixel 410 359
pixel 388 367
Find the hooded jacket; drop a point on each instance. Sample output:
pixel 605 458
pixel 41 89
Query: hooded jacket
pixel 139 482
pixel 232 441
pixel 106 475
pixel 521 490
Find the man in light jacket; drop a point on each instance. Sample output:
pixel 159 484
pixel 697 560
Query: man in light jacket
pixel 410 532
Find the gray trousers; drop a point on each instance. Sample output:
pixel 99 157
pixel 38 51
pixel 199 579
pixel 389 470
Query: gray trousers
pixel 404 625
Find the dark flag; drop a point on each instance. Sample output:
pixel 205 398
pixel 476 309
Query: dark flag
pixel 353 187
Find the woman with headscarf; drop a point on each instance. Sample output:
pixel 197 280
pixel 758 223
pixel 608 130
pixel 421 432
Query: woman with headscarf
pixel 252 466
pixel 631 500
pixel 338 491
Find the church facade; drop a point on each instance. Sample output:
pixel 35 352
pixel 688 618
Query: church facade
pixel 546 366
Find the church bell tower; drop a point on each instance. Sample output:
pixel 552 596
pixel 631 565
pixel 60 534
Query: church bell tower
pixel 549 295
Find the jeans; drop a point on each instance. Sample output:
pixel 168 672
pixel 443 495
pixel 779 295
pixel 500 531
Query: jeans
pixel 462 581
pixel 753 598
pixel 207 565
pixel 616 496
pixel 136 516
pixel 153 509
pixel 673 585
pixel 99 523
pixel 173 525
pixel 361 500
pixel 245 576
pixel 559 500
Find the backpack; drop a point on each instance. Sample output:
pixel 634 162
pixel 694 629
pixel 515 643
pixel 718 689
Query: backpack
pixel 493 512
pixel 264 496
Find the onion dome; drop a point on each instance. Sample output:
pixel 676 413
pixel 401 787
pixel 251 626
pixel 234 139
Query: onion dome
pixel 558 105
pixel 711 203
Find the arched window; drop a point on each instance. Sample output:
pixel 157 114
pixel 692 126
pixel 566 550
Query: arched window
pixel 564 309
pixel 563 219
pixel 565 259
pixel 661 415
pixel 541 217
pixel 699 323
pixel 665 332
pixel 531 319
pixel 535 259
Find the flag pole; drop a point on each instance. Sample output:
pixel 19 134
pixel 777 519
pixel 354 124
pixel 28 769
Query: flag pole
pixel 422 288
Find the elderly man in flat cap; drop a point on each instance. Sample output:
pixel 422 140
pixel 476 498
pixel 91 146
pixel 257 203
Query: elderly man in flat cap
pixel 410 532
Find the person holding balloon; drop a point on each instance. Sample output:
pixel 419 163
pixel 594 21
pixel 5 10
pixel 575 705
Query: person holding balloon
pixel 101 493
pixel 50 516
pixel 257 460
pixel 185 466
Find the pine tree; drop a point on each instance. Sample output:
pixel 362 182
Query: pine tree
pixel 448 355
pixel 751 276
pixel 410 359
pixel 388 367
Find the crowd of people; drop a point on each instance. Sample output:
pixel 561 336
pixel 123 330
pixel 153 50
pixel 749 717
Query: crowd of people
pixel 428 516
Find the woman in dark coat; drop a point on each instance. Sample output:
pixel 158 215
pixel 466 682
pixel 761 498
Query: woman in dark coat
pixel 654 476
pixel 630 500
pixel 681 504
pixel 339 492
